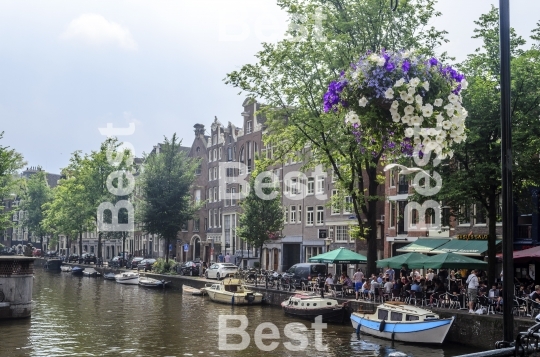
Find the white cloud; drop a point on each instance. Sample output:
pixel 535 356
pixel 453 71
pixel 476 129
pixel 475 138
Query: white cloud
pixel 95 30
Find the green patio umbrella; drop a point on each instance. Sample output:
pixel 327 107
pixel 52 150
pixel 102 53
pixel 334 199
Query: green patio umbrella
pixel 339 256
pixel 397 261
pixel 450 261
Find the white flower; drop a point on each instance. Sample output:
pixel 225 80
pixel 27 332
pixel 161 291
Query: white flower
pixel 464 84
pixel 399 83
pixel 440 138
pixel 408 110
pixel 409 132
pixel 464 113
pixel 406 54
pixel 409 99
pixel 381 61
pixel 446 125
pixel 433 131
pixel 432 146
pixel 439 118
pixel 393 111
pixel 416 120
pixel 417 140
pixel 374 58
pixel 362 102
pixel 426 141
pixel 414 82
pixel 396 118
pixel 438 150
pixel 389 94
pixel 450 154
pixel 453 98
pixel 352 118
pixel 438 102
pixel 395 103
pixel 406 119
pixel 419 99
pixel 426 85
pixel 427 110
pixel 355 75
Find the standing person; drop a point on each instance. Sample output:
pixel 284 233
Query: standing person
pixel 403 271
pixel 391 274
pixel 227 258
pixel 472 290
pixel 220 258
pixel 321 283
pixel 430 275
pixel 358 279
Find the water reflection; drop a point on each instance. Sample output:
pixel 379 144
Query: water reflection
pixel 82 316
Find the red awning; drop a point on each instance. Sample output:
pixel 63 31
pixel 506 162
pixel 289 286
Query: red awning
pixel 525 256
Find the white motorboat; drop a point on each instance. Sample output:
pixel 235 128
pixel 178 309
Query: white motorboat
pixel 91 272
pixel 128 277
pixel 232 291
pixel 152 283
pixel 395 320
pixel 66 268
pixel 309 307
pixel 189 290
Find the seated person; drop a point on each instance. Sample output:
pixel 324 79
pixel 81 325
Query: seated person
pixel 388 286
pixel 398 285
pixel 366 288
pixel 347 281
pixel 536 295
pixel 416 287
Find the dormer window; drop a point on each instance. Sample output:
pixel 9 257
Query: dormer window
pixel 214 139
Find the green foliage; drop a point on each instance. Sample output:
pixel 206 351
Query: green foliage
pixel 166 182
pixel 262 213
pixel 10 162
pixel 291 77
pixel 37 194
pixel 162 266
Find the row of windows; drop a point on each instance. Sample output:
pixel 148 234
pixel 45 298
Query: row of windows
pixel 314 215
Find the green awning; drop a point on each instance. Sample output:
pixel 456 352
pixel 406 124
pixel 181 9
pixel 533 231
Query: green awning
pixel 339 256
pixel 423 245
pixel 464 247
pixel 450 261
pixel 397 261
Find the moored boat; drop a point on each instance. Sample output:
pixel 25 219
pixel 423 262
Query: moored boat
pixel 66 268
pixel 53 264
pixel 109 276
pixel 232 291
pixel 189 290
pixel 309 307
pixel 128 278
pixel 152 283
pixel 91 272
pixel 398 321
pixel 77 270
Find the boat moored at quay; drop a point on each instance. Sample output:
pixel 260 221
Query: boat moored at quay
pixel 232 291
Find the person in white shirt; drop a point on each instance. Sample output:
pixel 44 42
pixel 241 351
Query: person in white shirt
pixel 430 275
pixel 472 289
pixel 358 279
pixel 388 286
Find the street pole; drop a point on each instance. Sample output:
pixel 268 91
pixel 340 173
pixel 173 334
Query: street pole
pixel 506 168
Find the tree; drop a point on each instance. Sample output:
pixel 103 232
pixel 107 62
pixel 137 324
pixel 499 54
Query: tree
pixel 36 195
pixel 165 183
pixel 262 217
pixel 291 78
pixel 474 176
pixel 10 162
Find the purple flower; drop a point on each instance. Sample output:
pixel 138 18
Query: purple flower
pixel 406 66
pixel 390 66
pixel 331 97
pixel 433 61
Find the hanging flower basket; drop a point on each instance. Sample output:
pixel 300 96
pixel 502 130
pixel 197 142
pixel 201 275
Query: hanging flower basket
pixel 402 99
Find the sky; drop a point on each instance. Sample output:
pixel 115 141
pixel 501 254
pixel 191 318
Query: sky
pixel 67 68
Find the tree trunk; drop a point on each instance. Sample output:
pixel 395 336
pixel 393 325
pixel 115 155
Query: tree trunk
pixel 371 216
pixel 41 243
pixel 99 248
pixel 260 257
pixel 80 243
pixel 123 246
pixel 492 237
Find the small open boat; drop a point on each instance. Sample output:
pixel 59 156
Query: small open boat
pixel 129 278
pixel 77 270
pixel 189 290
pixel 66 268
pixel 91 272
pixel 395 320
pixel 152 283
pixel 232 291
pixel 309 307
pixel 109 276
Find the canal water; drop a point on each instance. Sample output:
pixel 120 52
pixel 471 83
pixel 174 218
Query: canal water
pixel 82 316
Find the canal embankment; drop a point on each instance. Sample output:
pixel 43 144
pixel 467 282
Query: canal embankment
pixel 479 331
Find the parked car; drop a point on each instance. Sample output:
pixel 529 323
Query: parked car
pixel 146 264
pixel 220 270
pixel 51 253
pixel 134 262
pixel 73 258
pixel 88 258
pixel 304 273
pixel 116 262
pixel 189 268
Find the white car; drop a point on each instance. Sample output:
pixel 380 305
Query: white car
pixel 221 270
